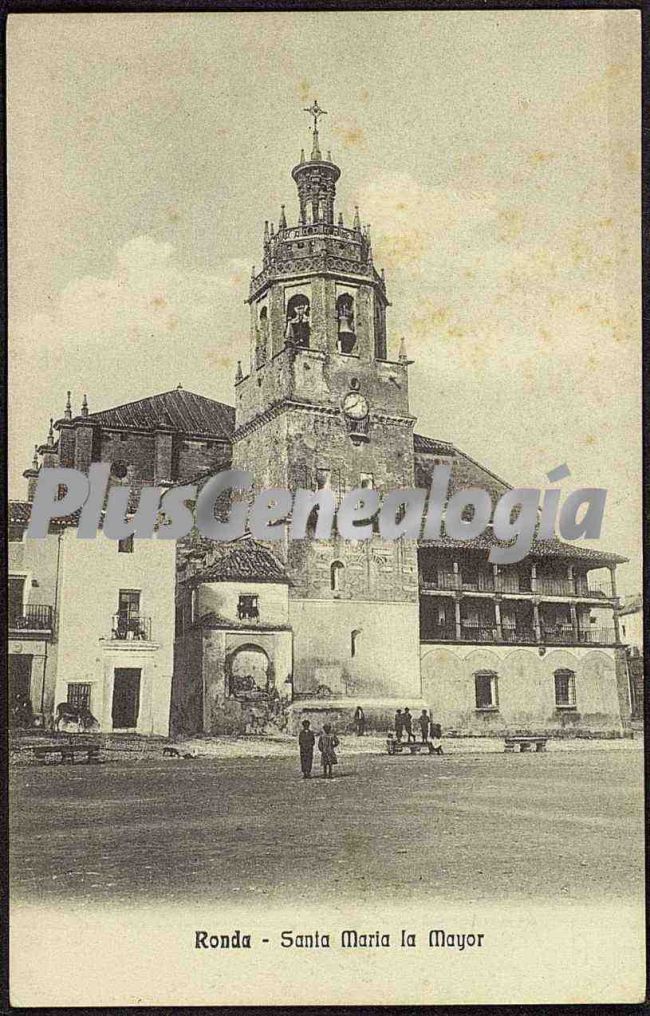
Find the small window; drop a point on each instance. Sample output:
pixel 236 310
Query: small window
pixel 323 478
pixel 565 689
pixel 128 603
pixel 118 470
pixel 336 576
pixel 248 608
pixel 79 695
pixel 486 689
pixel 125 546
pixel 366 481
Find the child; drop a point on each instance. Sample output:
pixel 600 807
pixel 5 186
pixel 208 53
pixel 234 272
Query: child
pixel 327 742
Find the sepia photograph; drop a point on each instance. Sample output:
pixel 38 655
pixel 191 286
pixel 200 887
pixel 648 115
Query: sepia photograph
pixel 325 507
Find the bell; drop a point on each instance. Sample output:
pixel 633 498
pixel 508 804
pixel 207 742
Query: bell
pixel 347 338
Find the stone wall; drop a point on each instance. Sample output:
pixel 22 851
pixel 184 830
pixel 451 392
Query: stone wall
pixel 525 689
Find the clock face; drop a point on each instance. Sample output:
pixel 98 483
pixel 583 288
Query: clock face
pixel 355 406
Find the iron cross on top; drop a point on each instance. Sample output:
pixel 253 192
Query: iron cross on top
pixel 316 112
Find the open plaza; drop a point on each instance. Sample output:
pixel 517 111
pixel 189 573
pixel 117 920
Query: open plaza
pixel 236 823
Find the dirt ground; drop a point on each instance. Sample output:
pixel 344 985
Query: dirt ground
pixel 465 826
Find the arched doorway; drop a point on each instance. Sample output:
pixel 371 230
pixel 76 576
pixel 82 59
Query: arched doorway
pixel 249 672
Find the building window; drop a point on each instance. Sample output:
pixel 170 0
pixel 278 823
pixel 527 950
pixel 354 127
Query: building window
pixel 125 546
pixel 485 682
pixel 336 576
pixel 366 481
pixel 16 598
pixel 79 695
pixel 248 608
pixel 118 470
pixel 354 635
pixel 565 689
pixel 323 478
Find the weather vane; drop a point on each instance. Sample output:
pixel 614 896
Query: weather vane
pixel 316 112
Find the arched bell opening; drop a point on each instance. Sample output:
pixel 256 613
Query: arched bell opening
pixel 347 338
pixel 298 329
pixel 261 352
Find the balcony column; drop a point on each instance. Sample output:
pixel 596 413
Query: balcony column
pixel 536 623
pixel 456 569
pixel 495 573
pixel 457 618
pixel 497 617
pixel 571 577
pixel 617 629
pixel 574 621
pixel 533 577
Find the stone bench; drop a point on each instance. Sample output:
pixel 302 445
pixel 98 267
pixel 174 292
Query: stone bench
pixel 525 743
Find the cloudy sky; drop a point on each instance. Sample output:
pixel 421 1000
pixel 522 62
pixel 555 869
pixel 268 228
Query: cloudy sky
pixel 495 154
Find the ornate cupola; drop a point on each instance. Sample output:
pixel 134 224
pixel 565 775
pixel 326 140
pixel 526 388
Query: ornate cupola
pixel 316 179
pixel 318 288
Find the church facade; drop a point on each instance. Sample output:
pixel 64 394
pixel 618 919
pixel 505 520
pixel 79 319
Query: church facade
pixel 269 634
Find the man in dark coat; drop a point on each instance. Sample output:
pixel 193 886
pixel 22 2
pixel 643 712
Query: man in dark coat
pixel 306 742
pixel 424 725
pixel 399 724
pixel 408 724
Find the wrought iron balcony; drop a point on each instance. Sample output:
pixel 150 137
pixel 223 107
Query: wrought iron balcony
pixel 131 627
pixel 32 617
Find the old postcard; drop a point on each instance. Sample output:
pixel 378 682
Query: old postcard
pixel 325 508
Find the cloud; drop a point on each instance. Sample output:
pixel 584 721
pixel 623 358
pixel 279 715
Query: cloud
pixel 148 325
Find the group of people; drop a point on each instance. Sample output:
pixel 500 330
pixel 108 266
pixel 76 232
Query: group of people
pixel 327 743
pixel 430 732
pixel 428 729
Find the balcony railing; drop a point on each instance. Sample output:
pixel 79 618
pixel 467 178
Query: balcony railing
pixel 560 635
pixel 514 584
pixel 518 634
pixel 131 627
pixel 32 617
pixel 439 632
pixel 478 632
pixel 601 636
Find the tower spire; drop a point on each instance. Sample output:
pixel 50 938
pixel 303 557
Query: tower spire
pixel 316 112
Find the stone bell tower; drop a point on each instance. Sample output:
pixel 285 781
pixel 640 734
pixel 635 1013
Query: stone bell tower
pixel 323 406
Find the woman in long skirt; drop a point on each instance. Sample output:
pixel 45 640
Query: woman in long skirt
pixel 327 742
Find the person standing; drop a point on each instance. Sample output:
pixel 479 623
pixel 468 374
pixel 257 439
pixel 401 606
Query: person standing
pixel 399 725
pixel 408 724
pixel 327 742
pixel 306 742
pixel 359 721
pixel 424 725
pixel 436 738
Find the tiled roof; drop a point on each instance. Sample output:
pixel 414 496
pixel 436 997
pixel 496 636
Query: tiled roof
pixel 20 513
pixel 179 409
pixel 244 560
pixel 540 548
pixel 430 446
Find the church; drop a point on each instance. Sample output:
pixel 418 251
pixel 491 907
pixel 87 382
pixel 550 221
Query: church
pixel 268 634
